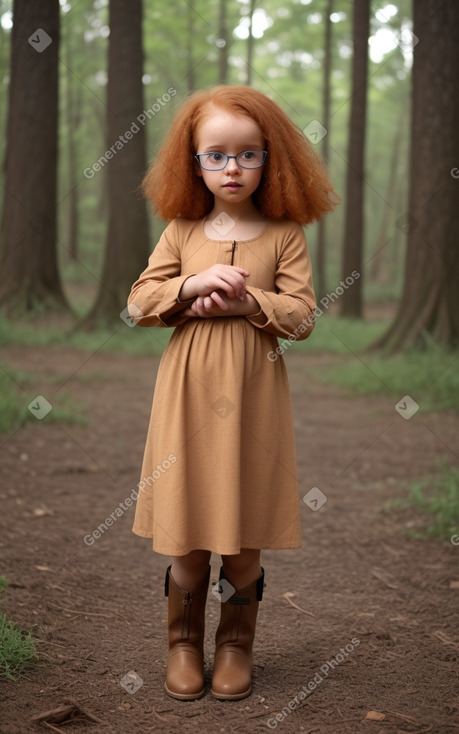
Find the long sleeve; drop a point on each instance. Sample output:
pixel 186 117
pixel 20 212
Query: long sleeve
pixel 153 297
pixel 290 309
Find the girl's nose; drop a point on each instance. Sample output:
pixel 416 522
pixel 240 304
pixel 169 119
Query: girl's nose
pixel 232 166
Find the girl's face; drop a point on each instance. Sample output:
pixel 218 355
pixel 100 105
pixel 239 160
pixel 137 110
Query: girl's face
pixel 231 134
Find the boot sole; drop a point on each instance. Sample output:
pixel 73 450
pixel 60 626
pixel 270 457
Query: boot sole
pixel 231 696
pixel 184 696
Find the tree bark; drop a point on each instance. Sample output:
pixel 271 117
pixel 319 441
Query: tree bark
pixel 376 270
pixel 429 307
pixel 321 232
pixel 126 247
pixel 351 300
pixel 190 43
pixel 250 45
pixel 73 120
pixel 223 37
pixel 29 275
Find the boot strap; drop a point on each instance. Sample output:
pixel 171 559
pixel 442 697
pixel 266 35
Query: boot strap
pixel 166 581
pixel 239 600
pixel 244 600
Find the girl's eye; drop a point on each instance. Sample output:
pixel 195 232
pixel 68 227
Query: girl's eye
pixel 215 157
pixel 248 155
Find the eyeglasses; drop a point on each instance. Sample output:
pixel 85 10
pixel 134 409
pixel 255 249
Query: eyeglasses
pixel 214 160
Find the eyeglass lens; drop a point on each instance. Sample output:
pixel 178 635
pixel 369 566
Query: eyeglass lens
pixel 214 160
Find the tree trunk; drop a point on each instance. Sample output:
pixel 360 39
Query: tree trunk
pixel 351 300
pixel 190 41
pixel 429 308
pixel 126 247
pixel 250 44
pixel 223 42
pixel 74 106
pixel 29 276
pixel 376 272
pixel 321 232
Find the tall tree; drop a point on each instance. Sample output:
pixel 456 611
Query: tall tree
pixel 429 307
pixel 250 44
pixel 321 235
pixel 29 276
pixel 376 271
pixel 190 45
pixel 223 41
pixel 351 300
pixel 126 247
pixel 73 99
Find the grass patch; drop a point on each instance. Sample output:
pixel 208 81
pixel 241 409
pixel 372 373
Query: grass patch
pixel 10 404
pixel 436 499
pixel 42 331
pixel 431 377
pixel 341 336
pixel 439 498
pixel 14 401
pixel 65 410
pixel 18 651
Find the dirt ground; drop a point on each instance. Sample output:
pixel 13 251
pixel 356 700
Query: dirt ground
pixel 361 617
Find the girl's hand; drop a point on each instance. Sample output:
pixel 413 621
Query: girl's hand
pixel 218 304
pixel 227 278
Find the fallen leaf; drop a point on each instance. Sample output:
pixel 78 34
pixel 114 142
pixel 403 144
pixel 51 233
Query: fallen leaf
pixel 375 716
pixel 42 568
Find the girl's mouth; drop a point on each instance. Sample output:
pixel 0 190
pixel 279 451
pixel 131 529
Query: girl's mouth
pixel 232 185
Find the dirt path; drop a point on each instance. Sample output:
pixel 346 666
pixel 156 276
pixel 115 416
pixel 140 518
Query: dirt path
pixel 376 627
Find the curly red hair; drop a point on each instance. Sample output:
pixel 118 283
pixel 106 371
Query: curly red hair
pixel 294 184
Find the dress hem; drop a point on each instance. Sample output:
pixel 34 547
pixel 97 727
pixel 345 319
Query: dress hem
pixel 219 550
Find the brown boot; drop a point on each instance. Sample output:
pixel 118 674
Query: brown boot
pixel 233 642
pixel 185 676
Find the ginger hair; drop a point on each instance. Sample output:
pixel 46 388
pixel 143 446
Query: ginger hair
pixel 294 183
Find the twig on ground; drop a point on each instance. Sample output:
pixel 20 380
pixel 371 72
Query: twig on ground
pixel 379 575
pixel 287 596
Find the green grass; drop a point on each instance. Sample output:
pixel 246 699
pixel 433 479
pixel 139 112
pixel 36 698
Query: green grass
pixel 43 332
pixel 438 498
pixel 431 378
pixel 338 336
pixel 10 404
pixel 18 651
pixel 15 398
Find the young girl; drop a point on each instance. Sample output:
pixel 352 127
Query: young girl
pixel 231 272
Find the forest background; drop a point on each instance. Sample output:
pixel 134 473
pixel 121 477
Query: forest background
pixel 89 94
pixel 88 91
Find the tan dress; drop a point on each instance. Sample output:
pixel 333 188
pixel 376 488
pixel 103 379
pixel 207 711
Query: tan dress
pixel 219 470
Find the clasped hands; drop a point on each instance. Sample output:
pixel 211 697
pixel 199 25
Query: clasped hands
pixel 218 291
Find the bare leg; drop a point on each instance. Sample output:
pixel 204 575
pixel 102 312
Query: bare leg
pixel 243 568
pixel 188 571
